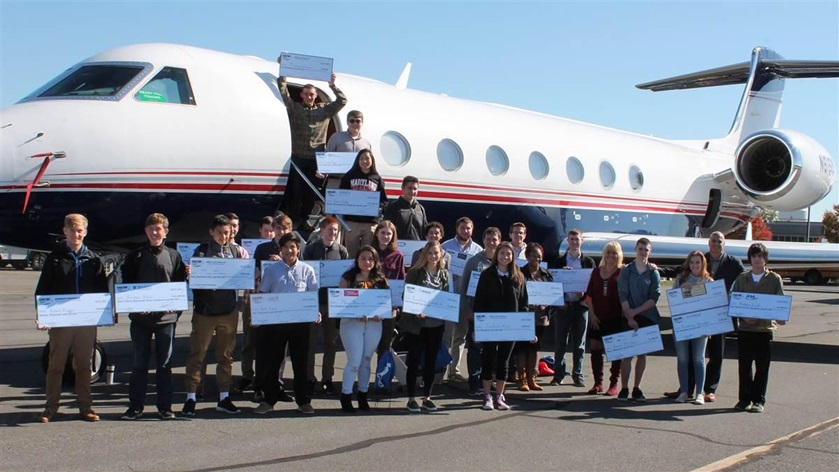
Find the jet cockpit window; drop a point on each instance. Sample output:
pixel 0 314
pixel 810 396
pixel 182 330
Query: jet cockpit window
pixel 95 81
pixel 170 85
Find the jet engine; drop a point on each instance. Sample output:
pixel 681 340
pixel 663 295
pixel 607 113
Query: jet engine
pixel 783 170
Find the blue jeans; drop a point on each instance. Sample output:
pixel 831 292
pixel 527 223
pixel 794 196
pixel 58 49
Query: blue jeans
pixel 687 351
pixel 570 325
pixel 141 335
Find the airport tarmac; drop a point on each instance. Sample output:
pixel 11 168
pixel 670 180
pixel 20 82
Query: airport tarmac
pixel 561 428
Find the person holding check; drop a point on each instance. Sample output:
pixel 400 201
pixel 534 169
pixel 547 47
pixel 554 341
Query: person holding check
pixel 153 262
pixel 754 337
pixel 527 354
pixel 604 314
pixel 639 290
pixel 694 272
pixel 360 336
pixel 71 268
pixel 362 176
pixel 287 275
pixel 501 288
pixel 424 334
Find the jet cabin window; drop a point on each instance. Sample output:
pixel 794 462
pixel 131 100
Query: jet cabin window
pixel 96 81
pixel 170 85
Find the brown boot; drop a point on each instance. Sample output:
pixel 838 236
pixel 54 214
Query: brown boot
pixel 532 371
pixel 521 377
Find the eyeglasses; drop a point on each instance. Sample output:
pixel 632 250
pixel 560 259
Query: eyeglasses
pixel 354 120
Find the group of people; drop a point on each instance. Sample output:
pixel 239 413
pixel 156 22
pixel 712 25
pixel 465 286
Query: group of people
pixel 618 297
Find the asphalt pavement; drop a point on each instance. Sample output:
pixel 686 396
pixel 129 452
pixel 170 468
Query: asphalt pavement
pixel 561 428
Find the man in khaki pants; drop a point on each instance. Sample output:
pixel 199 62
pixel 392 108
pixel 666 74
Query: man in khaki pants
pixel 71 268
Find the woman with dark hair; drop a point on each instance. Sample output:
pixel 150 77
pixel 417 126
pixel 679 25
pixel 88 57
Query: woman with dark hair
pixel 424 334
pixel 360 335
pixel 694 272
pixel 604 314
pixel 362 176
pixel 500 289
pixel 527 354
pixel 393 266
pixel 754 337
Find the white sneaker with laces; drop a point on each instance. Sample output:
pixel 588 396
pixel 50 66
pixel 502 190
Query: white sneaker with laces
pixel 488 403
pixel 500 404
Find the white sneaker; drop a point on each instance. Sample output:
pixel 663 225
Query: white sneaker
pixel 699 400
pixel 500 404
pixel 488 403
pixel 683 397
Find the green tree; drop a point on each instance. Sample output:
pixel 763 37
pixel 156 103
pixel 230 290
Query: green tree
pixel 830 221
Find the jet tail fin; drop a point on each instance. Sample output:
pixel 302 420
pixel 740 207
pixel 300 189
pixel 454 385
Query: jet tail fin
pixel 760 105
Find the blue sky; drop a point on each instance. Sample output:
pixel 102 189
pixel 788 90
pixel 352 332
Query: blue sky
pixel 579 60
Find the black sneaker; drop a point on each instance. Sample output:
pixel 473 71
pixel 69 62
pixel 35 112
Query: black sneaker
pixel 245 384
pixel 755 408
pixel 623 396
pixel 429 405
pixel 227 406
pixel 413 406
pixel 285 397
pixel 258 396
pixel 166 414
pixel 329 387
pixel 742 405
pixel 131 414
pixel 638 395
pixel 189 408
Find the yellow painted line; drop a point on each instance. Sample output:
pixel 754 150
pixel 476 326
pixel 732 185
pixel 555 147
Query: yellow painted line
pixel 745 456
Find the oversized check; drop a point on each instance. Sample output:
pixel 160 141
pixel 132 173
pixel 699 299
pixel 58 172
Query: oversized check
pixel 697 297
pixel 408 248
pixel 77 309
pixel 701 323
pixel 330 271
pixel 335 162
pixel 761 306
pixel 632 343
pixel 215 273
pixel 163 296
pixel 397 291
pixel 186 250
pixel 306 67
pixel 513 326
pixel 458 262
pixel 545 293
pixel 572 280
pixel 251 244
pixel 359 303
pixel 352 202
pixel 473 283
pixel 279 308
pixel 429 302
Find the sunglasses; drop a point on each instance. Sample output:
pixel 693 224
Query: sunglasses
pixel 354 120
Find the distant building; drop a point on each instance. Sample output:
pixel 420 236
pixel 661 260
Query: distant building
pixel 792 226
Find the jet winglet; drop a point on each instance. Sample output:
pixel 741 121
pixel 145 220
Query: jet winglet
pixel 402 81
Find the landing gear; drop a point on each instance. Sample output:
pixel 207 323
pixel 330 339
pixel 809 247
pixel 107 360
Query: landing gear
pixel 98 361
